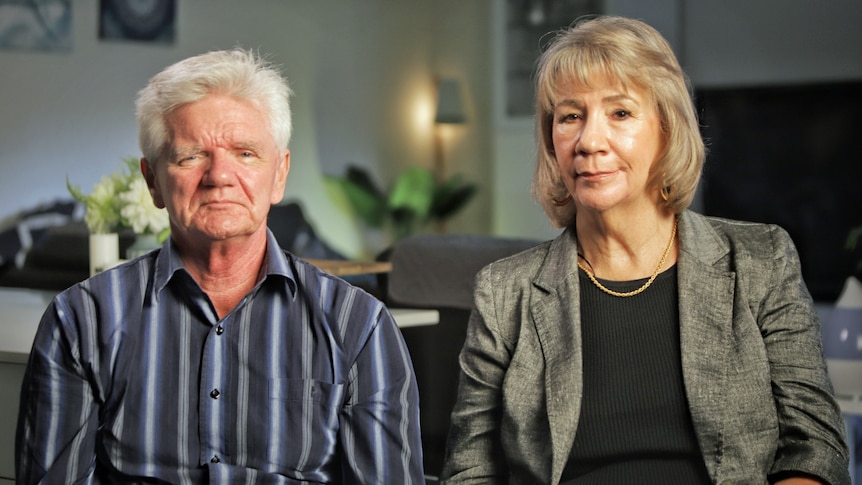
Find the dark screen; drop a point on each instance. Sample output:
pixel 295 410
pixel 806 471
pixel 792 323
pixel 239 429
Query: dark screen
pixel 790 155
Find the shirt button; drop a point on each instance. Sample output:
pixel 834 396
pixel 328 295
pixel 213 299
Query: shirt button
pixel 219 330
pixel 215 459
pixel 215 394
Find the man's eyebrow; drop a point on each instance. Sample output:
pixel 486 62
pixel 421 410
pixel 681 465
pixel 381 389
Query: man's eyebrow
pixel 248 145
pixel 183 152
pixel 186 151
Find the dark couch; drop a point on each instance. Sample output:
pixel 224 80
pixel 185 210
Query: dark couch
pixel 56 256
pixel 437 271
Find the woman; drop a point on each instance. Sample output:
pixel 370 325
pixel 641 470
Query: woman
pixel 646 343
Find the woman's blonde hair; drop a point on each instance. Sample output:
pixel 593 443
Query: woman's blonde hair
pixel 635 55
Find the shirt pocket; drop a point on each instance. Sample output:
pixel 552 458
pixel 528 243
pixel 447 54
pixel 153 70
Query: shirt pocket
pixel 304 420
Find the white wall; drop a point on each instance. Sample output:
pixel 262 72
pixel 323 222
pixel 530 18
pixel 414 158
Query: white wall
pixel 461 39
pixel 740 42
pixel 360 71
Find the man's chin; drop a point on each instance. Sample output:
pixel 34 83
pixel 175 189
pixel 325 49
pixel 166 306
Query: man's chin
pixel 222 231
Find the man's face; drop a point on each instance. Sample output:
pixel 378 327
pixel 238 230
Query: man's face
pixel 221 172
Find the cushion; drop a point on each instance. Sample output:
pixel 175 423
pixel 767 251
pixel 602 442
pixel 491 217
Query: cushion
pixel 295 233
pixel 26 229
pixel 437 270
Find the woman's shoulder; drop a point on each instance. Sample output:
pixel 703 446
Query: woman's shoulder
pixel 528 258
pixel 741 237
pixel 516 273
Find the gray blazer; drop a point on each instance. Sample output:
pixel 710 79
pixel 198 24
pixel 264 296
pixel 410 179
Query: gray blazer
pixel 752 362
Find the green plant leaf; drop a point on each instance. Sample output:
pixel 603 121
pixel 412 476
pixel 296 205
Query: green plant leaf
pixel 413 190
pixel 853 238
pixel 404 222
pixel 359 177
pixel 76 192
pixel 333 188
pixel 413 199
pixel 450 197
pixel 369 206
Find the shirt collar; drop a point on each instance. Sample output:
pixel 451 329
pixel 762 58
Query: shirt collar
pixel 276 263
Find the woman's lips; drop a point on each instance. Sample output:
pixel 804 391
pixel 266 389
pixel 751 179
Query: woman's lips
pixel 595 176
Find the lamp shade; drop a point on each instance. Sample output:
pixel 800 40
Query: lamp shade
pixel 842 345
pixel 449 106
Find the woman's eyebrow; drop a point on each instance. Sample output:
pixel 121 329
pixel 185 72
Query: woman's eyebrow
pixel 576 103
pixel 569 103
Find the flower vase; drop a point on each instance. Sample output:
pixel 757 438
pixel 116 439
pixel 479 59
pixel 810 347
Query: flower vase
pixel 104 251
pixel 143 244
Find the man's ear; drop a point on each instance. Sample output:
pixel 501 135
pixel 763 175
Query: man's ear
pixel 149 174
pixel 280 179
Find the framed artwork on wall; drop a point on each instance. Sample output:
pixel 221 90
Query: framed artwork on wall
pixel 529 25
pixel 44 25
pixel 138 20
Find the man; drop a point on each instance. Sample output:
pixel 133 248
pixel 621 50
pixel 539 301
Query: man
pixel 219 358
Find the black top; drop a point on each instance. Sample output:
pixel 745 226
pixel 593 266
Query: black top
pixel 635 425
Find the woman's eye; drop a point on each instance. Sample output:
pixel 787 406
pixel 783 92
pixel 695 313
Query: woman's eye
pixel 568 117
pixel 621 114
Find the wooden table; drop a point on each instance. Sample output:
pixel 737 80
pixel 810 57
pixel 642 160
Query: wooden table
pixel 346 267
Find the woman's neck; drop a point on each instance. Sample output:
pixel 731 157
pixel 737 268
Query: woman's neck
pixel 628 247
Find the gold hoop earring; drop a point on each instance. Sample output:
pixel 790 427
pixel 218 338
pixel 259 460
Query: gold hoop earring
pixel 665 193
pixel 564 201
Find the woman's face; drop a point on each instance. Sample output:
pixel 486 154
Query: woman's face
pixel 606 140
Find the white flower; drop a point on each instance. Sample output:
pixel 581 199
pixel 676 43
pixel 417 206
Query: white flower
pixel 139 211
pixel 102 212
pixel 122 200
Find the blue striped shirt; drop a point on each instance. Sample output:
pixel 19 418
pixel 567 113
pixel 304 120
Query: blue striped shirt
pixel 134 378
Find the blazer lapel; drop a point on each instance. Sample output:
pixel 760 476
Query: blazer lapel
pixel 705 308
pixel 705 312
pixel 555 308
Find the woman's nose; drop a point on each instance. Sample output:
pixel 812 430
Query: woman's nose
pixel 593 136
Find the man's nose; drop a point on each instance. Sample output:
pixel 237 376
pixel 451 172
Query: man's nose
pixel 220 168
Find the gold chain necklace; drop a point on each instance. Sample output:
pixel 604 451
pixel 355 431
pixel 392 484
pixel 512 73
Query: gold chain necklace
pixel 649 281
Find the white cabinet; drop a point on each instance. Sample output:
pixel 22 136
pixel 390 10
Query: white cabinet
pixel 11 376
pixel 20 312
